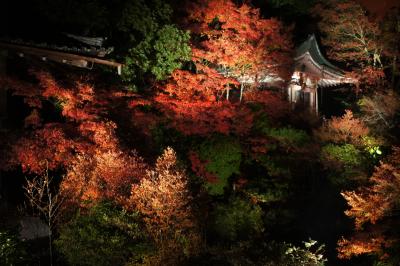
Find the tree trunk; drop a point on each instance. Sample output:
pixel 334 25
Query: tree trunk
pixel 241 92
pixel 50 247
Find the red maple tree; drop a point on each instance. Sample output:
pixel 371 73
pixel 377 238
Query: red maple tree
pixel 237 40
pixel 84 146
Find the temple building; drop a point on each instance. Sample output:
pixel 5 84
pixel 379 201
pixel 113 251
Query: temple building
pixel 83 53
pixel 312 75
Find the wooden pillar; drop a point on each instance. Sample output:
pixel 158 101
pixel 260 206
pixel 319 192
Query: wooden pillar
pixel 316 99
pixel 315 105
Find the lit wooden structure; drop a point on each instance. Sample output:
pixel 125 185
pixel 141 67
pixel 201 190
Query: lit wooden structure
pixel 45 54
pixel 62 55
pixel 312 72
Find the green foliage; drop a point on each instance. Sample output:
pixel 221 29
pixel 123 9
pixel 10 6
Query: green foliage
pixel 171 47
pixel 103 236
pixel 346 154
pixel 141 18
pixel 274 165
pixel 238 219
pixel 261 124
pixel 223 157
pixel 279 141
pixel 265 253
pixel 268 190
pixel 159 54
pixel 164 136
pixel 12 250
pixel 372 147
pixel 346 163
pixel 155 46
pixel 310 255
pixel 288 136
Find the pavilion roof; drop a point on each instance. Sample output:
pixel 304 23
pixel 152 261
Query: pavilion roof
pixel 310 46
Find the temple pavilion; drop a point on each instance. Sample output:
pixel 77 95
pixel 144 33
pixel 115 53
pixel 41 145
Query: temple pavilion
pixel 312 75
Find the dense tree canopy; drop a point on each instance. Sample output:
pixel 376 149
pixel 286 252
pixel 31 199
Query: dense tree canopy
pixel 194 156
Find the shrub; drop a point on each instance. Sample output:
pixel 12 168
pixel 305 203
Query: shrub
pixel 346 154
pixel 310 255
pixel 105 235
pixel 164 201
pixel 12 251
pixel 288 136
pixel 238 219
pixel 346 163
pixel 223 157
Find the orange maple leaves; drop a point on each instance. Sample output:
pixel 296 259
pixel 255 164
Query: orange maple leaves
pixel 344 129
pixel 237 38
pixel 372 207
pixel 195 104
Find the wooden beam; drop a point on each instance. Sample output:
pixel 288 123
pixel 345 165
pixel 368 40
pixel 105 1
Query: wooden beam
pixel 62 57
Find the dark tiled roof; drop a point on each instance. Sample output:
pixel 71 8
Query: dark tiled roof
pixel 311 46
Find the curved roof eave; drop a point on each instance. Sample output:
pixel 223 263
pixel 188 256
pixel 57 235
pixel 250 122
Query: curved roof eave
pixel 311 46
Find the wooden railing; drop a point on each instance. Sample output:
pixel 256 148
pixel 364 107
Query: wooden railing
pixel 61 57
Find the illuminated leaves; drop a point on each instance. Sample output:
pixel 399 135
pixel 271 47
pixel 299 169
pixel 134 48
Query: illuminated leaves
pixel 46 144
pixel 163 198
pixel 238 39
pixel 374 209
pixel 379 110
pixel 162 195
pixel 349 34
pixel 101 175
pixel 85 145
pixel 194 103
pixel 345 129
pixel 379 199
pixel 160 53
pixel 363 244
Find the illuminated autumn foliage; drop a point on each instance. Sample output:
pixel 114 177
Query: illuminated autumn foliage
pixel 192 154
pixel 195 104
pixel 57 142
pixel 345 129
pixel 46 144
pixel 101 175
pixel 380 110
pixel 230 43
pixel 85 146
pixel 374 209
pixel 353 38
pixel 362 244
pixel 236 38
pixel 350 35
pixel 163 198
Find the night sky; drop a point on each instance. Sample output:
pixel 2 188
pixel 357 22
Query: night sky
pixel 379 7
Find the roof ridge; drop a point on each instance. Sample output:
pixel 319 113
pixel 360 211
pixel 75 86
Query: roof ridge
pixel 311 46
